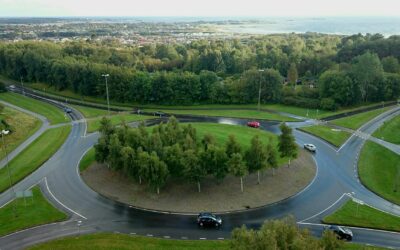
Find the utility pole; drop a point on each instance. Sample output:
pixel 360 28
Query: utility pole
pixel 259 90
pixel 5 132
pixel 108 100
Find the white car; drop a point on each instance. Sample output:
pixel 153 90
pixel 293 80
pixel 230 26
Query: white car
pixel 310 147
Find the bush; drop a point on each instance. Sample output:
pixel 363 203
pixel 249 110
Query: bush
pixel 2 87
pixel 302 102
pixel 328 104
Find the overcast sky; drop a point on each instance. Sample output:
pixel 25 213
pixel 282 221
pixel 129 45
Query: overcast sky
pixel 259 8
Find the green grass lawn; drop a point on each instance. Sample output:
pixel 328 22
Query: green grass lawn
pixel 94 124
pixel 365 217
pixel 250 114
pixel 53 114
pixel 356 121
pixel 32 157
pixel 31 212
pixel 89 112
pixel 87 159
pixel 122 241
pixel 335 137
pixel 390 131
pixel 22 126
pixel 105 241
pixel 379 170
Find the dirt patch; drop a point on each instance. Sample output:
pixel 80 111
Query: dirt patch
pixel 226 196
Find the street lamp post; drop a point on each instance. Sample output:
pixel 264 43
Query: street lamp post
pixel 108 100
pixel 5 132
pixel 259 90
pixel 22 84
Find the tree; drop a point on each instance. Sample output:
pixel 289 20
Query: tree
pixel 391 64
pixel 232 146
pixel 128 160
pixel 172 156
pixel 208 140
pixel 193 170
pixel 106 128
pixel 281 234
pixel 237 167
pixel 292 75
pixel 114 157
pixel 256 157
pixel 157 172
pixel 287 145
pixel 272 157
pixel 367 70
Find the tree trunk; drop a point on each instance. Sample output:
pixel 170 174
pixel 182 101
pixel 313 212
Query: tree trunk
pixel 258 177
pixel 241 183
pixel 140 180
pixel 158 190
pixel 273 171
pixel 289 162
pixel 198 186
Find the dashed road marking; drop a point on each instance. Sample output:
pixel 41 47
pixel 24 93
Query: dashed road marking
pixel 149 235
pixel 167 237
pixel 203 238
pixel 220 238
pixel 184 238
pixel 133 233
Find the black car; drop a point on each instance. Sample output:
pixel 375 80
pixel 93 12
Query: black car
pixel 341 232
pixel 208 220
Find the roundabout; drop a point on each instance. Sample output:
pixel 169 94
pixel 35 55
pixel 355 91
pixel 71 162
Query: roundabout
pixel 335 180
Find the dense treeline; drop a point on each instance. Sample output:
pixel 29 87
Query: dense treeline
pixel 345 70
pixel 172 151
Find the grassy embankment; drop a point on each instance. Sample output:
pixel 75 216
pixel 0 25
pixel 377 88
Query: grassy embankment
pixel 22 127
pixel 124 242
pixel 379 170
pixel 32 157
pixel 94 117
pixel 356 121
pixel 32 211
pixel 336 137
pixel 390 131
pixel 87 160
pixel 53 114
pixel 365 217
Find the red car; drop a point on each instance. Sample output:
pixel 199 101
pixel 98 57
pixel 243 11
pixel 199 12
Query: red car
pixel 253 124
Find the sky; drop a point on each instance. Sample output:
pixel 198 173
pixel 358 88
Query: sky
pixel 213 8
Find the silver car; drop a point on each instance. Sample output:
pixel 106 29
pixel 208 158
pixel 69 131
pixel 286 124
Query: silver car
pixel 310 147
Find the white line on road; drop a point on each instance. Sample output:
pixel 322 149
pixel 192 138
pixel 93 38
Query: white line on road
pixel 184 238
pixel 69 209
pixel 203 238
pixel 167 237
pixel 149 235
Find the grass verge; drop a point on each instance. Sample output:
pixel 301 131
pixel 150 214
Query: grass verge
pixel 87 160
pixel 32 157
pixel 22 126
pixel 32 211
pixel 379 170
pixel 53 114
pixel 122 241
pixel 365 217
pixel 249 114
pixel 335 137
pixel 389 131
pixel 89 112
pixel 356 121
pixel 94 124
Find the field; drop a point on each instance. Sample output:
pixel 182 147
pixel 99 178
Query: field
pixel 33 211
pixel 32 157
pixel 365 217
pixel 22 126
pixel 53 114
pixel 356 121
pixel 336 137
pixel 389 131
pixel 379 170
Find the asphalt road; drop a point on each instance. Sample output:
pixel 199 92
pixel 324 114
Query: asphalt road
pixel 59 178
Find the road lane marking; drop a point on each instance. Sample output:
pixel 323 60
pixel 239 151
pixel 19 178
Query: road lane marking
pixel 133 233
pixel 69 209
pixel 184 238
pixel 220 238
pixel 203 238
pixel 345 194
pixel 167 237
pixel 149 235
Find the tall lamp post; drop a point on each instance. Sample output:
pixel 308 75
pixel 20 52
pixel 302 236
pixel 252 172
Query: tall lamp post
pixel 108 100
pixel 259 90
pixel 22 84
pixel 3 133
